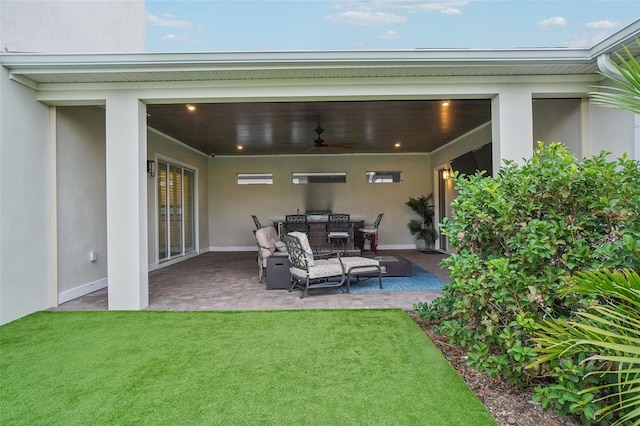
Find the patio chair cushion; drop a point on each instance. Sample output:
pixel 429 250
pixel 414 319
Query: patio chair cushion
pixel 280 246
pixel 361 264
pixel 338 235
pixel 304 242
pixel 266 238
pixel 323 268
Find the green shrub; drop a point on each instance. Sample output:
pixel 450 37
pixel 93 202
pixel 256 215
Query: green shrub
pixel 518 236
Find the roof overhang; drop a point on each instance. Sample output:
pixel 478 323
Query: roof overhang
pixel 44 70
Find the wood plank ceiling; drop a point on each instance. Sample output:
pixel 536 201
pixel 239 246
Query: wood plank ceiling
pixel 277 128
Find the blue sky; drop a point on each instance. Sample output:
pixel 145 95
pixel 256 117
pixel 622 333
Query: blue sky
pixel 243 25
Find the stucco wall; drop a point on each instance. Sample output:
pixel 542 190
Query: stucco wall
pixel 73 26
pixel 24 202
pixel 231 205
pixel 81 199
pixel 558 120
pixel 611 131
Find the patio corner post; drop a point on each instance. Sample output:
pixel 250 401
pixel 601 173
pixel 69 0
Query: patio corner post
pixel 512 125
pixel 127 251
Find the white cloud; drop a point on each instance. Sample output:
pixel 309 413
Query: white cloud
pixel 389 36
pixel 365 18
pixel 179 38
pixel 386 12
pixel 451 11
pixel 171 21
pixel 601 24
pixel 556 21
pixel 409 6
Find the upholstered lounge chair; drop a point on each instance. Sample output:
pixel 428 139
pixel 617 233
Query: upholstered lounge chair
pixel 310 272
pixel 266 238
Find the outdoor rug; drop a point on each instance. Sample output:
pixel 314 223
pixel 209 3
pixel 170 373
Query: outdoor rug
pixel 420 280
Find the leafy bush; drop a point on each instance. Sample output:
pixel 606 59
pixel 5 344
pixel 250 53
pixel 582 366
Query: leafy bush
pixel 518 236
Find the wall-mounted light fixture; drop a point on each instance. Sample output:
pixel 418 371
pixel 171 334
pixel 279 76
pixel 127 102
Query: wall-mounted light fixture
pixel 151 168
pixel 446 174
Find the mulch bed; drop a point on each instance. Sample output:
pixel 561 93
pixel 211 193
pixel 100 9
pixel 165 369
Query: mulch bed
pixel 508 404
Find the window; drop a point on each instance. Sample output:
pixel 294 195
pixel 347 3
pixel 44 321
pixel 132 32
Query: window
pixel 176 211
pixel 384 177
pixel 254 178
pixel 332 177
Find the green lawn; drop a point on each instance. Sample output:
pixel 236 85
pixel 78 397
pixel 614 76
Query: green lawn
pixel 369 367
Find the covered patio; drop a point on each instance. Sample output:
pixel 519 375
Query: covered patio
pixel 229 281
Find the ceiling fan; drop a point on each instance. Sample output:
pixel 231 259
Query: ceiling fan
pixel 321 143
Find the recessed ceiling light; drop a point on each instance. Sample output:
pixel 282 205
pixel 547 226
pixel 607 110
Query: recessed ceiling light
pixel 240 147
pixel 397 144
pixel 191 107
pixel 445 103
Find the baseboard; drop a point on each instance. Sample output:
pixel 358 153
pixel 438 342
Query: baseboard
pixel 397 247
pixel 234 248
pixel 74 293
pixel 254 248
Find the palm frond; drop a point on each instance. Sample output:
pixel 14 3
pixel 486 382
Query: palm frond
pixel 625 94
pixel 608 333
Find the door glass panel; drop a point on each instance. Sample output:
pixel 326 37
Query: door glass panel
pixel 175 210
pixel 189 211
pixel 162 210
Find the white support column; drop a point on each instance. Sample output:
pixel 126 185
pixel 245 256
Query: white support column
pixel 512 126
pixel 126 203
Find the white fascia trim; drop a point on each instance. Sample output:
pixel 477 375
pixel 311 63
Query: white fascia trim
pixel 82 62
pixel 35 64
pixel 625 36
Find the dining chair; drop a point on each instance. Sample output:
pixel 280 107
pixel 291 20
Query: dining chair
pixel 338 229
pixel 371 233
pixel 296 223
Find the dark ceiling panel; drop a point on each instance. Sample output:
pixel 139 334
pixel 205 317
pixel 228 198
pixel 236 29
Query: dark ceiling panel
pixel 267 128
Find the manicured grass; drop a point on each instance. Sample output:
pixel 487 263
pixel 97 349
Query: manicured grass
pixel 272 367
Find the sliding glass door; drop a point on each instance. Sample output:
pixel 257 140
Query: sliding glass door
pixel 176 211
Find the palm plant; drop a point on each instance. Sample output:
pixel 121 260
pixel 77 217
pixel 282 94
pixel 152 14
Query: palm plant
pixel 422 228
pixel 609 333
pixel 626 93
